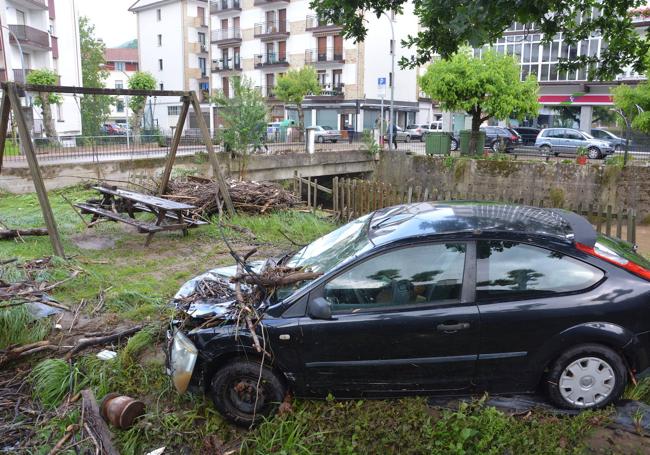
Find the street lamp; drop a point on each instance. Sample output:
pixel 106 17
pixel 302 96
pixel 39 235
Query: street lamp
pixel 392 83
pixel 20 51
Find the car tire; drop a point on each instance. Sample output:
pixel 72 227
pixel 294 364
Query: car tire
pixel 494 146
pixel 454 144
pixel 320 139
pixel 587 376
pixel 234 392
pixel 407 139
pixel 618 148
pixel 593 153
pixel 545 150
pixel 334 141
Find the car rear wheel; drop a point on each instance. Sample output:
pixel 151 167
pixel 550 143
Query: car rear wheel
pixel 545 149
pixel 495 146
pixel 320 139
pixel 588 376
pixel 407 138
pixel 593 153
pixel 454 144
pixel 244 393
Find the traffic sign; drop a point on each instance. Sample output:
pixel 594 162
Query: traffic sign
pixel 381 86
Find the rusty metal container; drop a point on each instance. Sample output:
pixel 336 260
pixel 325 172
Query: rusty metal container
pixel 121 410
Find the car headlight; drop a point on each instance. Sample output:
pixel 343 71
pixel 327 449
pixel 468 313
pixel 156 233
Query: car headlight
pixel 182 360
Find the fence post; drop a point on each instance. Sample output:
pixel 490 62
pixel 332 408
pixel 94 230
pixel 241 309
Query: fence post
pixel 630 225
pixel 335 194
pixel 349 204
pixel 295 183
pixel 315 194
pixel 633 226
pixel 308 191
pixel 599 221
pixel 608 221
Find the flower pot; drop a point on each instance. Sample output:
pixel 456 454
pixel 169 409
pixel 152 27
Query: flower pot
pixel 581 159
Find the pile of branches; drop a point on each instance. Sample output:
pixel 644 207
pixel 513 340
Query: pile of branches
pixel 251 197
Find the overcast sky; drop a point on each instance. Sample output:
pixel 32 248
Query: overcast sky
pixel 113 21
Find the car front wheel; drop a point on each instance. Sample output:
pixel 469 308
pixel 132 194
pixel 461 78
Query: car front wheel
pixel 588 376
pixel 454 144
pixel 593 153
pixel 407 138
pixel 244 393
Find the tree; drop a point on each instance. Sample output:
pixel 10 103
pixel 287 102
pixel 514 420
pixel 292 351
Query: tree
pixel 446 26
pixel 487 87
pixel 95 109
pixel 634 102
pixel 140 80
pixel 45 99
pixel 244 120
pixel 294 86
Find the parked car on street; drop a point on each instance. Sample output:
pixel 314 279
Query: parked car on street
pixel 418 130
pixel 568 140
pixel 428 298
pixel 617 142
pixel 325 133
pixel 528 134
pixel 400 136
pixel 499 138
pixel 111 129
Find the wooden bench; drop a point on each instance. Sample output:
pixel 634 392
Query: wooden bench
pixel 142 226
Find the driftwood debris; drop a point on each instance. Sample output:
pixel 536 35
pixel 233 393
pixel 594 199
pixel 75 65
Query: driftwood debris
pixel 6 234
pixel 84 343
pixel 95 425
pixel 252 197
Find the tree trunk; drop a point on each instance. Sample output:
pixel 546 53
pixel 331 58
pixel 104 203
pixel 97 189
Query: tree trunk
pixel 48 119
pixel 301 122
pixel 136 128
pixel 476 128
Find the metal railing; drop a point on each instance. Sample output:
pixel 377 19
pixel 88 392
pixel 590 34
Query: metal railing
pixel 270 58
pixel 231 64
pixel 225 5
pixel 315 22
pixel 276 27
pixel 30 36
pixel 266 91
pixel 226 34
pixel 329 54
pixel 331 89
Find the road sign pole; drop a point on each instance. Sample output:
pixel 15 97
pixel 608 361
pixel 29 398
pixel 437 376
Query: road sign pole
pixel 381 124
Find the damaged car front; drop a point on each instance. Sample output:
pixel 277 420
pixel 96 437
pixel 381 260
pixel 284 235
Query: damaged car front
pixel 234 333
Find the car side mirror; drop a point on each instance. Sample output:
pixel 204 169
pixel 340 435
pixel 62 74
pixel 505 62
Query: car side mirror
pixel 320 308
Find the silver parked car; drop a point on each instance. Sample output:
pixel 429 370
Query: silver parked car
pixel 418 130
pixel 400 136
pixel 617 142
pixel 325 133
pixel 568 140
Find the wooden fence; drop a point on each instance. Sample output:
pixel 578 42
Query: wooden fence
pixel 351 198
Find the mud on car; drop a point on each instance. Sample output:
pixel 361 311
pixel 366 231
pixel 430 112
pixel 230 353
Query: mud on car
pixel 423 299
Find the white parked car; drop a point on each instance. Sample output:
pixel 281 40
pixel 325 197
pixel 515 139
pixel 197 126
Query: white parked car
pixel 325 133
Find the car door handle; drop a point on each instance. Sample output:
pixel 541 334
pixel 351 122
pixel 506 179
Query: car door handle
pixel 452 327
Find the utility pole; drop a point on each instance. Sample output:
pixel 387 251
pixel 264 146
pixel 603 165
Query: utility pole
pixel 392 83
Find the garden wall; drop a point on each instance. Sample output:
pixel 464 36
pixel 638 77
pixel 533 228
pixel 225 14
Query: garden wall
pixel 553 183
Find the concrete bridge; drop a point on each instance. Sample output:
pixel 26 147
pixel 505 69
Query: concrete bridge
pixel 15 176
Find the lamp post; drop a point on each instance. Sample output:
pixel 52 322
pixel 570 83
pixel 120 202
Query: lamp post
pixel 20 51
pixel 126 113
pixel 392 83
pixel 628 128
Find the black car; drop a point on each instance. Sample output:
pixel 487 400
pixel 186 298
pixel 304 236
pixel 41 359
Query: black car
pixel 500 138
pixel 528 134
pixel 431 298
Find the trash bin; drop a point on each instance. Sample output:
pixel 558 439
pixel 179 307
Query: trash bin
pixel 465 136
pixel 437 143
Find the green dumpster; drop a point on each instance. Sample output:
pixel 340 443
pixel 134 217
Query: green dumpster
pixel 437 143
pixel 464 143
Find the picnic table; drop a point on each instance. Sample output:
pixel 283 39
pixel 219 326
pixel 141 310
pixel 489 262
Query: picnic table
pixel 120 205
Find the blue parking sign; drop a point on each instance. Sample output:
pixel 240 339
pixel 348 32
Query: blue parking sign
pixel 381 81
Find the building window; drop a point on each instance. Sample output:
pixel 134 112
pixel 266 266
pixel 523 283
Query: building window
pixel 202 38
pixel 119 106
pixel 159 40
pixel 160 64
pixel 120 66
pixel 173 110
pixel 162 86
pixel 159 14
pixel 119 84
pixel 203 66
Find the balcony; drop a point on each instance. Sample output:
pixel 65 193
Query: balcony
pixel 316 24
pixel 331 90
pixel 270 59
pixel 30 37
pixel 31 4
pixel 226 36
pixel 198 48
pixel 266 91
pixel 268 2
pixel 223 6
pixel 198 22
pixel 219 66
pixel 271 30
pixel 319 56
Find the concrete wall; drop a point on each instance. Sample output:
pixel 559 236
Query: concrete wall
pixel 260 167
pixel 553 183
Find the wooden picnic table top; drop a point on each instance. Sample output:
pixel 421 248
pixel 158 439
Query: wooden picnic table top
pixel 151 201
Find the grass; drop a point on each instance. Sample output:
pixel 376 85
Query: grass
pixel 52 380
pixel 18 326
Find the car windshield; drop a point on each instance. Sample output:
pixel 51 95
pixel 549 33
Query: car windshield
pixel 329 128
pixel 587 135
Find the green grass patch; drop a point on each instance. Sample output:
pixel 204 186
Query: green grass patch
pixel 18 326
pixel 53 379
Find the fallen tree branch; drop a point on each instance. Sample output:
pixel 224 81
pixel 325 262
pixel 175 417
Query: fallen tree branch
pixel 275 281
pixel 72 429
pixel 18 233
pixel 84 343
pixel 95 425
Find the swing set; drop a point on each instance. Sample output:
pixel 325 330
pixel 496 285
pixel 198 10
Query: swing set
pixel 11 104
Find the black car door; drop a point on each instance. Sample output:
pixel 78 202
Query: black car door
pixel 401 320
pixel 526 294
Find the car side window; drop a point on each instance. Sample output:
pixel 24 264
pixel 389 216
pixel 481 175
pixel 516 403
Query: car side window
pixel 597 133
pixel 573 135
pixel 519 271
pixel 414 275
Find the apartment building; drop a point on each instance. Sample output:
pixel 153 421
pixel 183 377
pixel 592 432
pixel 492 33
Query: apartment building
pixel 173 45
pixel 262 39
pixel 42 34
pixel 121 63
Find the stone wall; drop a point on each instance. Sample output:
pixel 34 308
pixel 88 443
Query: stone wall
pixel 553 183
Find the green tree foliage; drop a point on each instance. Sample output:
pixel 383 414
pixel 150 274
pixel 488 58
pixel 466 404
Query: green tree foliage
pixel 140 80
pixel 489 87
pixel 446 26
pixel 45 99
pixel 635 104
pixel 244 120
pixel 294 86
pixel 95 109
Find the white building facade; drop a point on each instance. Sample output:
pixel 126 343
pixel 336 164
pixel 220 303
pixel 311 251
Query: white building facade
pixel 173 45
pixel 262 39
pixel 47 33
pixel 121 64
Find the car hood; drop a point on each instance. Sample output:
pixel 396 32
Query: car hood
pixel 204 308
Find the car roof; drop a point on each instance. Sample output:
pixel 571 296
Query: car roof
pixel 433 218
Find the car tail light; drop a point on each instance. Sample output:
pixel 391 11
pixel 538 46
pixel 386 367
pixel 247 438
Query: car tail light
pixel 610 256
pixel 513 138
